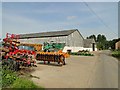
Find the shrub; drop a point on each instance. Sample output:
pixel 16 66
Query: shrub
pixel 82 53
pixel 8 77
pixel 116 53
pixel 0 77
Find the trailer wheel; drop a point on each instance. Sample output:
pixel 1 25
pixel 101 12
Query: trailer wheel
pixel 48 62
pixel 64 62
pixel 37 56
pixel 62 58
pixel 58 62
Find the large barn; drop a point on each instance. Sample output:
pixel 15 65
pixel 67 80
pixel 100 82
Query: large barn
pixel 72 39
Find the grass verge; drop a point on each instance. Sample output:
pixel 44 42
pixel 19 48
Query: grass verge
pixel 116 54
pixel 10 79
pixel 24 83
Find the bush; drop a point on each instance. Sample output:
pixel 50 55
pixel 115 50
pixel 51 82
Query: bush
pixel 116 53
pixel 0 76
pixel 82 53
pixel 8 77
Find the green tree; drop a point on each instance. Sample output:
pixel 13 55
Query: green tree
pixel 92 37
pixel 99 38
pixel 107 45
pixel 112 43
pixel 101 42
pixel 103 38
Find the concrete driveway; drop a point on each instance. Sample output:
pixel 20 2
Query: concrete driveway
pixel 80 72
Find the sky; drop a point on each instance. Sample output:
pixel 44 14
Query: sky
pixel 59 0
pixel 88 17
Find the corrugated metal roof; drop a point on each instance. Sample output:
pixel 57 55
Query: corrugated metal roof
pixel 48 34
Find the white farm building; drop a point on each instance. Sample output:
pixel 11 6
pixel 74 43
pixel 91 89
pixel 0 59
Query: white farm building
pixel 72 39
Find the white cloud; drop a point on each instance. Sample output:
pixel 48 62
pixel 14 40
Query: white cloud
pixel 100 30
pixel 47 11
pixel 71 17
pixel 22 24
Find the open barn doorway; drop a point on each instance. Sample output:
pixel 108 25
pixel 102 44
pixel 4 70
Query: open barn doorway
pixel 93 46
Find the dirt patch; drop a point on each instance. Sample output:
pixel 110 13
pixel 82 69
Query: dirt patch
pixel 26 72
pixel 75 74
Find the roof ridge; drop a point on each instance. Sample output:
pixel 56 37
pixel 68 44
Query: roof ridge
pixel 50 31
pixel 48 34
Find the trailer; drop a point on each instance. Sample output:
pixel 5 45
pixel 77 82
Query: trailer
pixel 52 53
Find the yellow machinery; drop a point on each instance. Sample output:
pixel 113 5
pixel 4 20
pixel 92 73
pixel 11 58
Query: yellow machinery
pixel 52 53
pixel 38 47
pixel 52 56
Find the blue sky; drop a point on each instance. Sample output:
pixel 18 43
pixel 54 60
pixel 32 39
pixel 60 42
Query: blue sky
pixel 32 17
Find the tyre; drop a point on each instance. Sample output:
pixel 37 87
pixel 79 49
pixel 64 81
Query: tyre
pixel 37 56
pixel 63 60
pixel 48 62
pixel 58 62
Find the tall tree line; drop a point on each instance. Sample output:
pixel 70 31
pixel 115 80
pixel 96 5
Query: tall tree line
pixel 102 42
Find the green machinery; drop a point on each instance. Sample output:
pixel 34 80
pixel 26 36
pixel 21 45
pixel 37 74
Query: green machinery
pixel 52 46
pixel 52 53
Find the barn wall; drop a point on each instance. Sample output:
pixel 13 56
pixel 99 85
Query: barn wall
pixel 73 49
pixel 72 40
pixel 46 39
pixel 76 49
pixel 75 40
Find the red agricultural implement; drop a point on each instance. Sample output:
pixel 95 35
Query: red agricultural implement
pixel 16 55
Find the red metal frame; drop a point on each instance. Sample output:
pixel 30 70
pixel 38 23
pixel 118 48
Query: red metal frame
pixel 12 36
